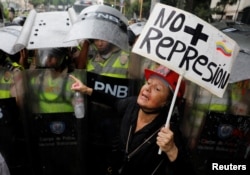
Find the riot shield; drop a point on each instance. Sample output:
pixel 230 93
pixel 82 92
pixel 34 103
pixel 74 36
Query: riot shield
pixel 103 120
pixel 96 22
pixel 226 134
pixel 217 129
pixel 54 135
pixel 12 144
pixel 10 34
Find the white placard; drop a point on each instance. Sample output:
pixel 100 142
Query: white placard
pixel 188 45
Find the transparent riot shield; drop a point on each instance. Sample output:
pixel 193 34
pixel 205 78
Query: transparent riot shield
pixel 54 135
pixel 217 129
pixel 103 120
pixel 12 142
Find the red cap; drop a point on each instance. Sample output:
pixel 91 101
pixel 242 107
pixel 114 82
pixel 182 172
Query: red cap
pixel 169 76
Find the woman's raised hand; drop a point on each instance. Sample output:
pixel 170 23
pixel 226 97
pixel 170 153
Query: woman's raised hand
pixel 79 86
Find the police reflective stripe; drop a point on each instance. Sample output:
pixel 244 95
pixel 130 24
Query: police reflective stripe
pixel 10 65
pixel 212 107
pixel 49 103
pixel 117 70
pixel 207 101
pixel 111 67
pixel 5 87
pixel 50 97
pixel 94 67
pixel 55 107
pixel 18 66
pixel 218 107
pixel 5 94
pixel 54 97
pixel 4 90
pixel 220 104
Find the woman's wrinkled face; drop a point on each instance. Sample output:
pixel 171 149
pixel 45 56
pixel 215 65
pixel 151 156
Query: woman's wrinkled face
pixel 153 94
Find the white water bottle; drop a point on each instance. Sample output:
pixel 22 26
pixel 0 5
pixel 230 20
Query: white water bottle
pixel 78 103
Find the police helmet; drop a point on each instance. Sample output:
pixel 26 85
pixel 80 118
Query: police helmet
pixel 134 30
pixel 101 22
pixel 51 57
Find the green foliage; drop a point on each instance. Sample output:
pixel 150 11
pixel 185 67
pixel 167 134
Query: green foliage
pixel 35 3
pixel 203 11
pixel 172 3
pixel 199 8
pixel 6 13
pixel 134 8
pixel 51 2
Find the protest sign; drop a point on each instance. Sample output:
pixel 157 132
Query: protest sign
pixel 189 46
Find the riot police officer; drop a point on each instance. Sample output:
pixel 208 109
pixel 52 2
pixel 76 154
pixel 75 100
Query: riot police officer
pixel 106 61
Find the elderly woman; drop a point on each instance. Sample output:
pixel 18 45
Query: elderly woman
pixel 142 131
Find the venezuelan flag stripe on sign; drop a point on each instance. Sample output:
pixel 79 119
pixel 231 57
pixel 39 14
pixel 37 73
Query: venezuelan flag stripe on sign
pixel 220 46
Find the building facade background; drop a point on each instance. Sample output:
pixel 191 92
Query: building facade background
pixel 238 12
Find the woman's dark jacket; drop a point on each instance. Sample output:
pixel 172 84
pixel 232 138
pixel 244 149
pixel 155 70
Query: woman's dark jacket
pixel 137 152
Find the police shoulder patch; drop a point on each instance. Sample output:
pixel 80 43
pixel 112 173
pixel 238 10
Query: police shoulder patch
pixel 124 58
